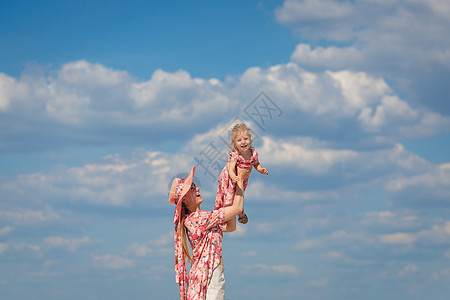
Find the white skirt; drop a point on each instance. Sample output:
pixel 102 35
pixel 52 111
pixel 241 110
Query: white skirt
pixel 216 287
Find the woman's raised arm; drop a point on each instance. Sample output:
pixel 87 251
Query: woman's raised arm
pixel 238 202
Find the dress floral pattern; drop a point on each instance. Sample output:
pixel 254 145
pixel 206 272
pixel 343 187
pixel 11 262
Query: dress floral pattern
pixel 227 187
pixel 204 231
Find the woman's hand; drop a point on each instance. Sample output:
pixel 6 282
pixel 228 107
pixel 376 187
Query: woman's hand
pixel 244 172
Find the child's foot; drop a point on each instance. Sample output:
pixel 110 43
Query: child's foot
pixel 243 218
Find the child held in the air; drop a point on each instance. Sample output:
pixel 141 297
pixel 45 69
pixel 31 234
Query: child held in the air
pixel 243 158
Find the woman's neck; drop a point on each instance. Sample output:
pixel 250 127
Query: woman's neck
pixel 194 209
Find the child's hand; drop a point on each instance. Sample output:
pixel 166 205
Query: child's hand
pixel 264 171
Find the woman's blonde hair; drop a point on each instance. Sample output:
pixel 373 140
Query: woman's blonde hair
pixel 238 129
pixel 184 212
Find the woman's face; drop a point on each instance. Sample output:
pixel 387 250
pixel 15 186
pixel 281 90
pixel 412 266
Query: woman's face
pixel 194 199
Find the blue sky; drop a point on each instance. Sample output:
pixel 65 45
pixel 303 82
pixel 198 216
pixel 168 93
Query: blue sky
pixel 102 103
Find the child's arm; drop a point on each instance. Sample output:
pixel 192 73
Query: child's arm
pixel 259 168
pixel 232 169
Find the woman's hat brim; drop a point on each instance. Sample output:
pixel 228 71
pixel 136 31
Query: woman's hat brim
pixel 186 186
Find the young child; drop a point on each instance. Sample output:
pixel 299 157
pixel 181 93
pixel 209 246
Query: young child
pixel 242 157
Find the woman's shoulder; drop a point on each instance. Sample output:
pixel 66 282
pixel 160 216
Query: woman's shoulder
pixel 202 217
pixel 197 214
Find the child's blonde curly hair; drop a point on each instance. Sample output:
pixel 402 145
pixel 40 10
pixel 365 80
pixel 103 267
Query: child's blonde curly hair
pixel 236 131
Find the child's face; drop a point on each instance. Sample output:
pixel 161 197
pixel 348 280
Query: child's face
pixel 243 142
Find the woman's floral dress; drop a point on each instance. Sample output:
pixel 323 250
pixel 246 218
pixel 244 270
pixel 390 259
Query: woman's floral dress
pixel 204 231
pixel 227 187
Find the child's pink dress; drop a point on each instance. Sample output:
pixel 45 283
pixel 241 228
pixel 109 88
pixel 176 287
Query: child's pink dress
pixel 227 187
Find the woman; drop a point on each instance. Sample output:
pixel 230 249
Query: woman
pixel 204 231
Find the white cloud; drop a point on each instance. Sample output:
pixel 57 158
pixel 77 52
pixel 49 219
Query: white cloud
pixel 147 250
pixel 83 90
pixel 437 235
pixel 19 247
pixel 443 275
pixel 359 89
pixel 285 270
pixel 69 244
pixel 314 13
pixel 82 73
pixel 293 153
pixel 241 230
pixel 158 272
pixel 429 124
pixel 437 177
pixel 319 158
pixel 390 108
pixel 249 253
pixel 339 237
pixel 293 11
pixel 399 40
pixel 110 181
pixel 428 188
pixel 29 216
pixel 407 270
pixel 334 255
pixel 139 250
pixel 439 7
pixel 5 230
pixel 389 220
pixel 266 192
pixel 337 20
pixel 397 238
pixel 340 257
pixel 307 244
pixel 332 98
pixel 160 247
pixel 318 283
pixel 3 247
pixel 139 177
pixel 331 58
pixel 5 83
pixel 13 92
pixel 86 95
pixel 113 262
pixel 110 106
